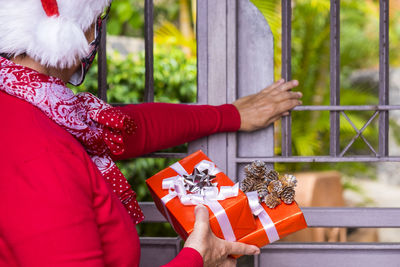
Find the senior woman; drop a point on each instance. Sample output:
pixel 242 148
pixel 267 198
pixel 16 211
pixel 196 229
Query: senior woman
pixel 63 200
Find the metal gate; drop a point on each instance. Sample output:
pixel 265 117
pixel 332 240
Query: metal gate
pixel 235 58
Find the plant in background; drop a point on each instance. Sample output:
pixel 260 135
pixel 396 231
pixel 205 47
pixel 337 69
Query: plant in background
pixel 310 65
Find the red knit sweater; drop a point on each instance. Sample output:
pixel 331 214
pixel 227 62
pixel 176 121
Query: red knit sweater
pixel 56 208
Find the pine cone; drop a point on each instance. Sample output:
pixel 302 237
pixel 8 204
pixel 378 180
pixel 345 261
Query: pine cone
pixel 255 170
pixel 260 186
pixel 272 175
pixel 272 200
pixel 275 187
pixel 288 180
pixel 287 195
pixel 247 185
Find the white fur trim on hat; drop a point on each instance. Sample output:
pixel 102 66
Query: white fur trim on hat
pixel 57 41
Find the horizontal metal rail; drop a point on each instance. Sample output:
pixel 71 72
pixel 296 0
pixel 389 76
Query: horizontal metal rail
pixel 165 155
pixel 332 246
pixel 322 216
pixel 321 159
pixel 344 108
pixel 312 108
pixel 329 254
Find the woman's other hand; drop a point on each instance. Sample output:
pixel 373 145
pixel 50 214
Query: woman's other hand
pixel 259 110
pixel 214 250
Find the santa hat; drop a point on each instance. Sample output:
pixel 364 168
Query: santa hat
pixel 50 31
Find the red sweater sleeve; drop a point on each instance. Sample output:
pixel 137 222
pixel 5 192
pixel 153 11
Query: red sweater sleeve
pixel 188 257
pixel 162 125
pixel 49 216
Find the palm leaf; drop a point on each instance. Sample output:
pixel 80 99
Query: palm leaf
pixel 169 34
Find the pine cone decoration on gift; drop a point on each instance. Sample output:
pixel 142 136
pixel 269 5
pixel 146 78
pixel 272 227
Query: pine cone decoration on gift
pixel 275 187
pixel 272 200
pixel 255 173
pixel 260 186
pixel 255 170
pixel 247 185
pixel 272 175
pixel 288 180
pixel 271 187
pixel 287 195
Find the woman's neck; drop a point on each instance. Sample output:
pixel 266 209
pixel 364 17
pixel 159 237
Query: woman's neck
pixel 63 74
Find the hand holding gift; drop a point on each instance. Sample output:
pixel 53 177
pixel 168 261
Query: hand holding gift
pixel 214 250
pixel 194 180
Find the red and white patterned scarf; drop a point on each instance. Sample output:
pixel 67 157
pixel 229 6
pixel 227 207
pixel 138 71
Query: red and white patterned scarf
pixel 97 125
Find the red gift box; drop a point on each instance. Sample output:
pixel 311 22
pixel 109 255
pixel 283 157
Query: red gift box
pixel 234 218
pixel 274 224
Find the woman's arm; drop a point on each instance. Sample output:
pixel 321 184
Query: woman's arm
pixel 162 125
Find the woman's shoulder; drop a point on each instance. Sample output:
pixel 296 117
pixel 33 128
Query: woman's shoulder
pixel 38 152
pixel 28 132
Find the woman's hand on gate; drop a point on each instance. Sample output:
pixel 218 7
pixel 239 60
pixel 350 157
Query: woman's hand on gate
pixel 215 251
pixel 259 110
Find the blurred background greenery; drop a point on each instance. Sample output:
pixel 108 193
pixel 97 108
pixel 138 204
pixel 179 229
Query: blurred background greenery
pixel 175 74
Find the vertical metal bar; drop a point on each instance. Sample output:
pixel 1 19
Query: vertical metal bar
pixel 335 77
pixel 286 72
pixel 232 88
pixel 149 51
pixel 202 67
pixel 102 65
pixel 383 76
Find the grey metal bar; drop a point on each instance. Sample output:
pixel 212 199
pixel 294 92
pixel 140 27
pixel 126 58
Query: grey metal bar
pixel 384 76
pixel 286 72
pixel 102 65
pixel 353 217
pixel 330 255
pixel 165 155
pixel 149 51
pixel 166 248
pixel 359 133
pixel 202 51
pixel 343 108
pixel 232 77
pixel 333 246
pixel 312 108
pixel 151 214
pixel 322 216
pixel 320 159
pixel 202 67
pixel 335 77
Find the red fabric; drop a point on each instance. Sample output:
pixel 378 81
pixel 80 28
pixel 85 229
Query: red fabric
pixel 57 209
pixel 50 7
pixel 188 257
pixel 162 125
pixel 96 125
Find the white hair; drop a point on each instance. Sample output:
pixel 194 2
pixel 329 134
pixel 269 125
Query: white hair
pixel 57 41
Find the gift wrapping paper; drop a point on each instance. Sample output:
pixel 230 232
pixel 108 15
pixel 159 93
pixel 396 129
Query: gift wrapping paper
pixel 230 219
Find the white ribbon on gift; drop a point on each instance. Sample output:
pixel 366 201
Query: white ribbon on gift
pixel 208 196
pixel 266 221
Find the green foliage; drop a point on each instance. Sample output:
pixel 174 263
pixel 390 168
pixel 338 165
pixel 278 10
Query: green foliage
pixel 174 77
pixel 359 42
pixel 127 16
